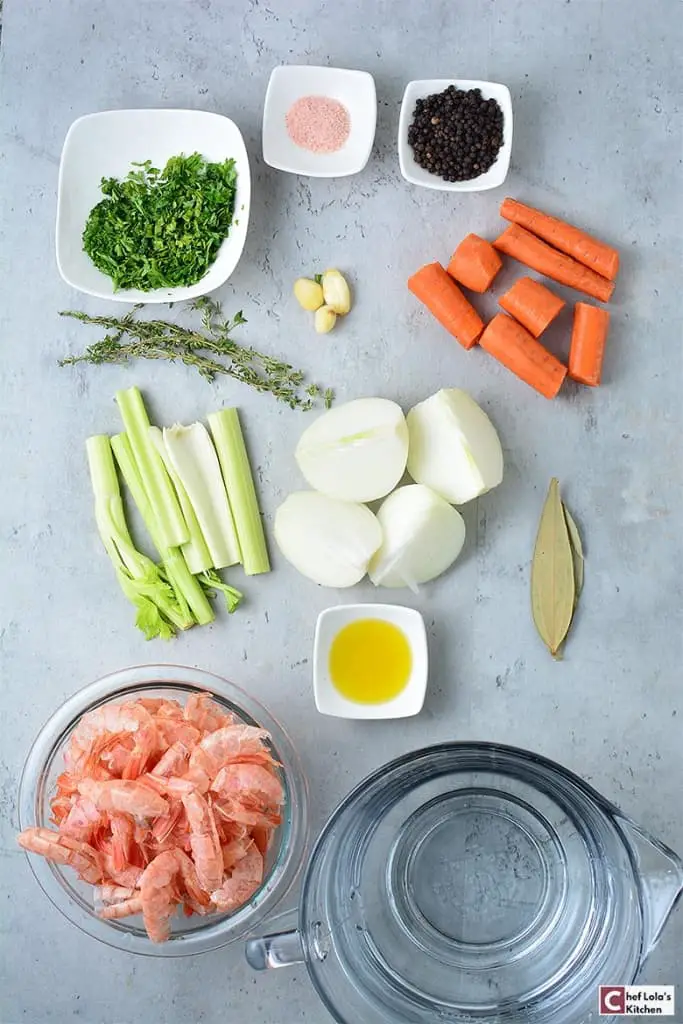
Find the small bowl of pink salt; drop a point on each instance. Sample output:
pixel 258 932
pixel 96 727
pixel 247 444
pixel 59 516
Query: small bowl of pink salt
pixel 319 121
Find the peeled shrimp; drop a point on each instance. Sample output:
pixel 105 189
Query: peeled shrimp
pixel 204 841
pixel 63 850
pixel 242 884
pixel 124 795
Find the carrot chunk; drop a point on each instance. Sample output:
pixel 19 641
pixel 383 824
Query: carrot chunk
pixel 530 250
pixel 442 297
pixel 601 258
pixel 513 346
pixel 532 304
pixel 475 263
pixel 587 349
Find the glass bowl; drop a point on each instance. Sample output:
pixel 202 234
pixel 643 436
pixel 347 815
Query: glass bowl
pixel 75 898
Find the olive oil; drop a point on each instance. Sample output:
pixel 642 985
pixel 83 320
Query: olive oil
pixel 370 661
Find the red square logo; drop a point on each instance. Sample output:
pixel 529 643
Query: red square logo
pixel 612 999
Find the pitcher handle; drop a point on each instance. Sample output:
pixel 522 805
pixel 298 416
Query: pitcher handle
pixel 661 873
pixel 282 949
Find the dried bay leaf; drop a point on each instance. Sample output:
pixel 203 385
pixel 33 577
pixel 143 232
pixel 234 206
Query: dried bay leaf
pixel 552 573
pixel 577 553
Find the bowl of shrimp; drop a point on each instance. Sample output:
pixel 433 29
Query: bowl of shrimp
pixel 164 811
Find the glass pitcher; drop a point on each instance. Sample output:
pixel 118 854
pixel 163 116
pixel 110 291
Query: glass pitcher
pixel 473 882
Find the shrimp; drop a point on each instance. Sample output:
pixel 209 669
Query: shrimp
pixel 96 730
pixel 242 884
pixel 234 851
pixel 123 909
pixel 127 878
pixel 234 811
pixel 173 761
pixel 124 795
pixel 204 841
pixel 166 823
pixel 230 743
pixel 172 731
pixel 63 850
pixel 251 784
pixel 106 895
pixel 82 819
pixel 122 828
pixel 159 891
pixel 203 712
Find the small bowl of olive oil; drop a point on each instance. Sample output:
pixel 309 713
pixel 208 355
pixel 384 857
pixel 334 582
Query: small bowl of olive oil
pixel 370 661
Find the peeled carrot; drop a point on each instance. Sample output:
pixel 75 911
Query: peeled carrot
pixel 530 302
pixel 513 346
pixel 442 297
pixel 525 247
pixel 475 263
pixel 601 258
pixel 587 348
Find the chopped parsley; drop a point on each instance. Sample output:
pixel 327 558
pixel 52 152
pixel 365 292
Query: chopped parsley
pixel 162 228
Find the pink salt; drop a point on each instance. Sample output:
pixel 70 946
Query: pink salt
pixel 318 124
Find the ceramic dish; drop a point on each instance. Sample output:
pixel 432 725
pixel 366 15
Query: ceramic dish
pixel 105 145
pixel 75 898
pixel 355 89
pixel 417 175
pixel 329 701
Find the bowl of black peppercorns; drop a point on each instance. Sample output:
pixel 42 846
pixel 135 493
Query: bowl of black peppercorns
pixel 455 134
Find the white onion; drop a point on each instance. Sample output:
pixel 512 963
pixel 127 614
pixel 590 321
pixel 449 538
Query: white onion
pixel 356 451
pixel 454 447
pixel 422 536
pixel 329 541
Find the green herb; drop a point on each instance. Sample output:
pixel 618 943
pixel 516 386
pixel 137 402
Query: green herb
pixel 162 229
pixel 318 278
pixel 131 338
pixel 553 587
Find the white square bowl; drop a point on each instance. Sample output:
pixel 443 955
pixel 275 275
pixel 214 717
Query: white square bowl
pixel 291 82
pixel 417 175
pixel 105 145
pixel 329 701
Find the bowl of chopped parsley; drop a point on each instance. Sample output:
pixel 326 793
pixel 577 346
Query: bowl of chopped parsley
pixel 153 205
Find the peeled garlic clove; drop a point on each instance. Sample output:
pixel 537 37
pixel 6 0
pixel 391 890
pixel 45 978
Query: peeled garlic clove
pixel 336 292
pixel 309 294
pixel 325 319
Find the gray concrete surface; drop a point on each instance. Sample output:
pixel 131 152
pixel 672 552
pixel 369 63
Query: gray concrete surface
pixel 597 136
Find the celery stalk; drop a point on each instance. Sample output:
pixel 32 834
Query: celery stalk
pixel 196 553
pixel 212 582
pixel 158 613
pixel 171 526
pixel 193 457
pixel 188 590
pixel 239 483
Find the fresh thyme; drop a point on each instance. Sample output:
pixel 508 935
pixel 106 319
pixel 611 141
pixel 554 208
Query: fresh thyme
pixel 211 351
